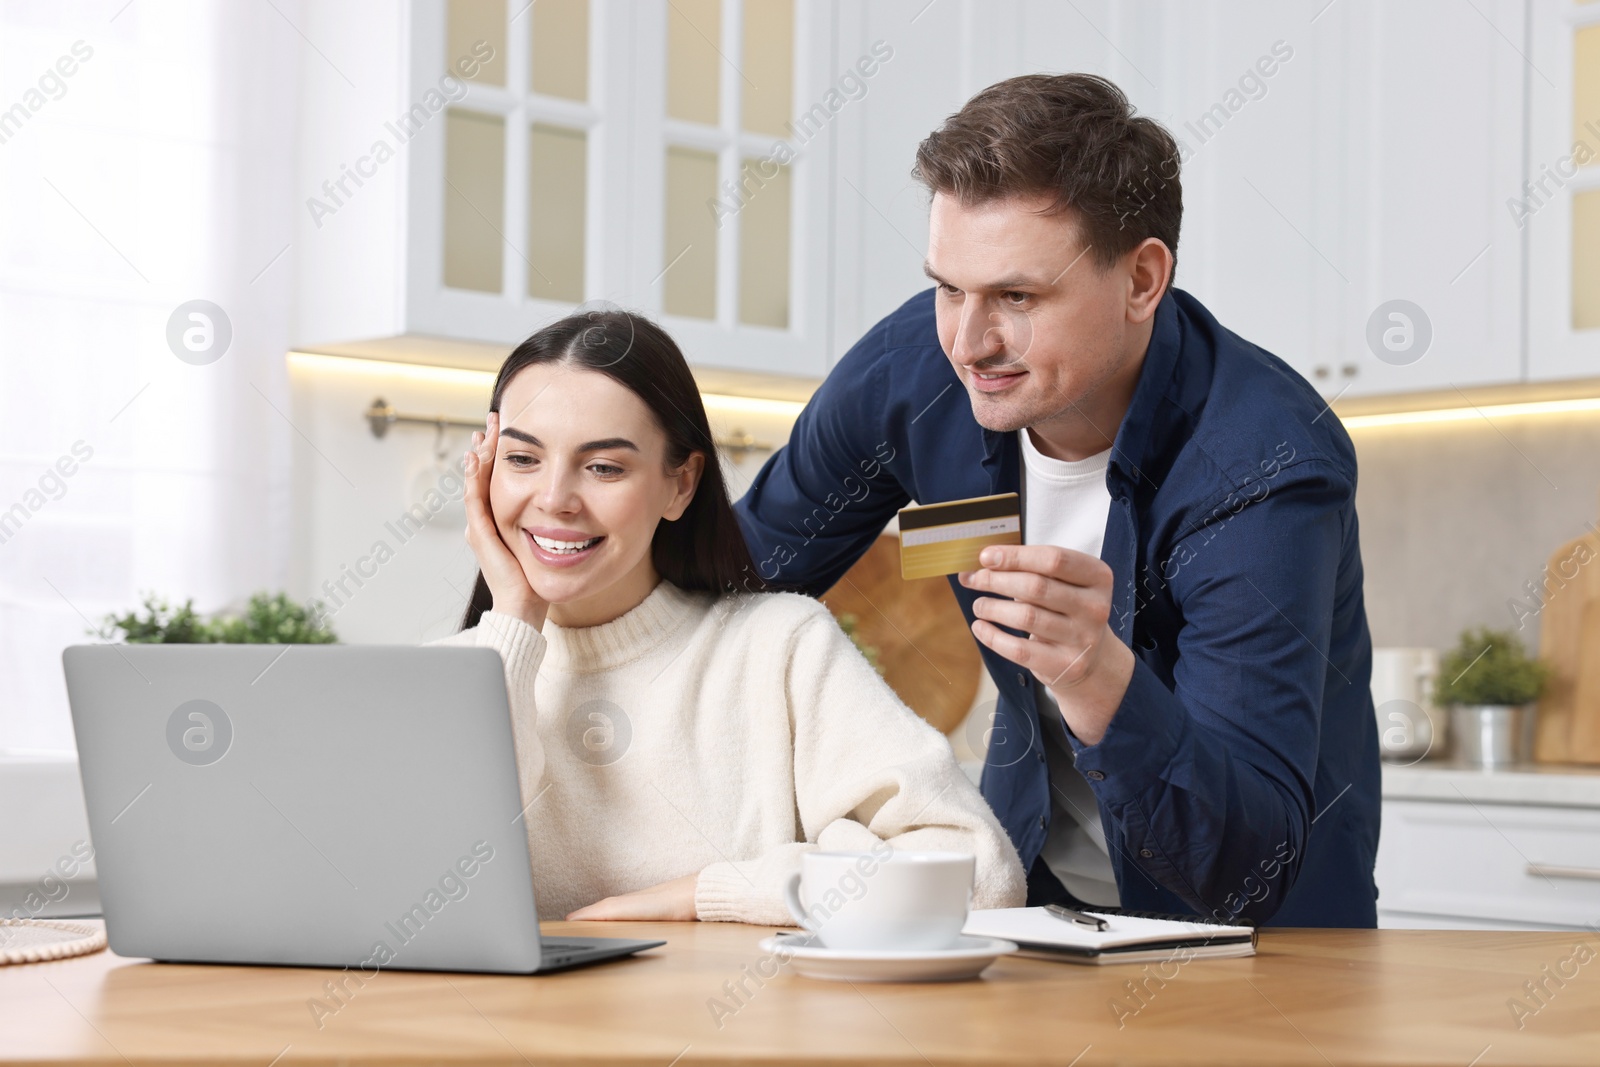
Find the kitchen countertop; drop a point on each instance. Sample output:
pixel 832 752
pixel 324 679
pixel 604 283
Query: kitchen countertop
pixel 1561 785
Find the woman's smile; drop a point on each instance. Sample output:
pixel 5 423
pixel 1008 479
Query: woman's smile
pixel 568 550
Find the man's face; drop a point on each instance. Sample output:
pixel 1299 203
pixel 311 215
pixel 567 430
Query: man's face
pixel 1029 320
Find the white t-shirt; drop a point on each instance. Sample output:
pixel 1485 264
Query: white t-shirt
pixel 1066 503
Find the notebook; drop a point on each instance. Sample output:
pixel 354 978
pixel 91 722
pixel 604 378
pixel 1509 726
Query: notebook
pixel 1127 938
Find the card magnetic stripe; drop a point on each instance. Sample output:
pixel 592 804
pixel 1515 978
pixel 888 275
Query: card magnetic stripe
pixel 957 531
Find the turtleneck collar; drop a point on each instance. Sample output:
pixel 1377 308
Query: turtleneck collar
pixel 630 636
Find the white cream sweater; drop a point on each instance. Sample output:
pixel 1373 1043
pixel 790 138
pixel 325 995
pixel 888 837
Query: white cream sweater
pixel 725 736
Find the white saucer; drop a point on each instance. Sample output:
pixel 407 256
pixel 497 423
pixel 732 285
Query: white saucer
pixel 967 959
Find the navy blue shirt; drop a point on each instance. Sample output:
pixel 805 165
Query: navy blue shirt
pixel 1240 774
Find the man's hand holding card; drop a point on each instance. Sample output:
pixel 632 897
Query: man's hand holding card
pixel 1059 597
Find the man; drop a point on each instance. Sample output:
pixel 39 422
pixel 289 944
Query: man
pixel 1180 643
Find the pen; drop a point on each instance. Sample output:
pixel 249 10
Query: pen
pixel 1068 915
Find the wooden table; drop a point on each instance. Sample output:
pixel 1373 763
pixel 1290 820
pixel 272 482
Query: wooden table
pixel 1309 997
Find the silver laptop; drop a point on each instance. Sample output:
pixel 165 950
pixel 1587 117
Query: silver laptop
pixel 310 805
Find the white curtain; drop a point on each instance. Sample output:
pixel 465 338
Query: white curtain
pixel 146 161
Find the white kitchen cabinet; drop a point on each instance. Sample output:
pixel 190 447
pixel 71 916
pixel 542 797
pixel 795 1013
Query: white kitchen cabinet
pixel 1469 850
pixel 1243 87
pixel 1337 158
pixel 447 218
pixel 1560 206
pixel 1433 99
pixel 371 237
pixel 1370 166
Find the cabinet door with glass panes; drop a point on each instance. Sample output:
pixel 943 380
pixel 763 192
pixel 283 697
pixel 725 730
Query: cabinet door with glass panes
pixel 1559 205
pixel 644 153
pixel 732 173
pixel 513 196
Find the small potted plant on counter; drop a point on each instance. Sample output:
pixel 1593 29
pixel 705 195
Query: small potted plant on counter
pixel 1489 683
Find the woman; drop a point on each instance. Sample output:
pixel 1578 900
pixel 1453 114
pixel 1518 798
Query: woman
pixel 682 737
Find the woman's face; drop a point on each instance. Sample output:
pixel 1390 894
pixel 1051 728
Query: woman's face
pixel 579 486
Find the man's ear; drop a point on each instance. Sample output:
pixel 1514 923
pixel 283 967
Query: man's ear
pixel 1149 273
pixel 688 478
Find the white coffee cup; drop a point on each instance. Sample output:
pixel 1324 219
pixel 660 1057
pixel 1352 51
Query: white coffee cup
pixel 882 900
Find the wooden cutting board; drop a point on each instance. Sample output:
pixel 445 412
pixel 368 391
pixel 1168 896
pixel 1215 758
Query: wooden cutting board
pixel 1568 729
pixel 929 656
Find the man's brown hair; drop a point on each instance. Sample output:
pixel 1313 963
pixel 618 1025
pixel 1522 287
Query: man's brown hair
pixel 1073 137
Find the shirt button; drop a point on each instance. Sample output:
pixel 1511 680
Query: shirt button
pixel 1146 853
pixel 1043 823
pixel 1022 678
pixel 1041 757
pixel 1095 776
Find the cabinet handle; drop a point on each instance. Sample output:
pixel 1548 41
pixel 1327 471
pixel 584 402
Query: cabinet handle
pixel 1350 370
pixel 1320 371
pixel 1555 870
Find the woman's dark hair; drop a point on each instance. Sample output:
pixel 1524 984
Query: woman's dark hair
pixel 703 549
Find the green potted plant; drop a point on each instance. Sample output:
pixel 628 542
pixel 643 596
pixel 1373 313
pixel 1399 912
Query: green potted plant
pixel 1489 683
pixel 159 624
pixel 267 620
pixel 273 620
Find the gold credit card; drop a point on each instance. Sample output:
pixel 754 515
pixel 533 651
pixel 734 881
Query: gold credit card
pixel 946 538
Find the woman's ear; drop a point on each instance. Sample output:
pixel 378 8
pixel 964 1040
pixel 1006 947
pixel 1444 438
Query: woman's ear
pixel 688 479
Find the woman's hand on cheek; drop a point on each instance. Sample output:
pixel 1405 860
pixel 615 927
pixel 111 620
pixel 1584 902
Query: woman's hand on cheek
pixel 668 902
pixel 508 583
